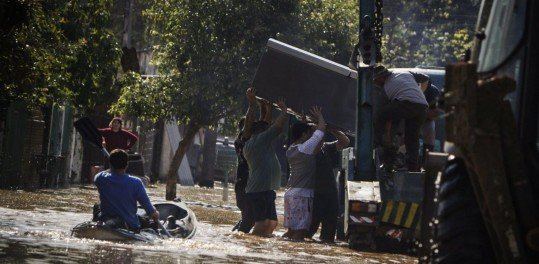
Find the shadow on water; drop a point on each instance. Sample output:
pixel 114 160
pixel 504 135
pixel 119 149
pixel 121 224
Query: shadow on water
pixel 35 227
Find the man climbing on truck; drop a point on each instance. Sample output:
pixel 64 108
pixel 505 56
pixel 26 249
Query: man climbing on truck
pixel 407 102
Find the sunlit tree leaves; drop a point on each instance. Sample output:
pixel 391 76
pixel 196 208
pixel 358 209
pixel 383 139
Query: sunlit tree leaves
pixel 60 50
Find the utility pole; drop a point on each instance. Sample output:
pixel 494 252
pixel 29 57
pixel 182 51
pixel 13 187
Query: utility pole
pixel 364 161
pixel 128 11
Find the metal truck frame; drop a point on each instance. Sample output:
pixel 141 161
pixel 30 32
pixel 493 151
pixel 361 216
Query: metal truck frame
pixel 486 207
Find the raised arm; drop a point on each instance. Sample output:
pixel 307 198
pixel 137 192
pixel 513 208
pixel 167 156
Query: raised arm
pixel 342 140
pixel 281 119
pixel 265 111
pixel 314 143
pixel 250 115
pixel 317 113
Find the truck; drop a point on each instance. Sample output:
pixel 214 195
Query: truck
pixel 477 201
pixel 478 198
pixel 381 210
pixel 484 205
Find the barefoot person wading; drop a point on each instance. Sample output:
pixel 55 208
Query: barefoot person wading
pixel 264 168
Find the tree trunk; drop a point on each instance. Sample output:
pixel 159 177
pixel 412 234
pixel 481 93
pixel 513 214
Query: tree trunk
pixel 172 176
pixel 208 162
pixel 128 22
pixel 156 151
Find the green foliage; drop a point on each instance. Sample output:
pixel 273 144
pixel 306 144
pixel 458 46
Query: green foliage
pixel 26 59
pixel 95 52
pixel 60 51
pixel 150 99
pixel 329 28
pixel 427 32
pixel 207 52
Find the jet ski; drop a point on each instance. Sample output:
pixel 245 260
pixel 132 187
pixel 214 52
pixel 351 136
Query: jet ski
pixel 175 217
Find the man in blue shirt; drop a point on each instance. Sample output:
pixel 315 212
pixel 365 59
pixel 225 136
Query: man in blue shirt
pixel 119 193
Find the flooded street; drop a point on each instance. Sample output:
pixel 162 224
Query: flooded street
pixel 35 227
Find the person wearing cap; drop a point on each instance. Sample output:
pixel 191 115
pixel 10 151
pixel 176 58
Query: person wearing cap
pixel 407 102
pixel 264 167
pixel 119 193
pixel 115 137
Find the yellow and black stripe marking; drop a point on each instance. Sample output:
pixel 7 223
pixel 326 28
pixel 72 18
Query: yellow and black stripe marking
pixel 402 214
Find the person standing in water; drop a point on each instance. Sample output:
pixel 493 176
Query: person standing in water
pixel 242 174
pixel 264 168
pixel 301 155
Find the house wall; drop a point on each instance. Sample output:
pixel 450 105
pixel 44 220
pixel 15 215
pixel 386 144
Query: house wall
pixel 21 147
pixel 145 57
pixel 187 168
pixel 75 165
pixel 92 156
pixel 32 146
pixel 166 157
pixel 147 136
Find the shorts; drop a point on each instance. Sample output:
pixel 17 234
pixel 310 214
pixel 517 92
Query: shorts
pixel 263 205
pixel 298 212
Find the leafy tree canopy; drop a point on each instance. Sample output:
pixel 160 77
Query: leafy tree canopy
pixel 59 50
pixel 207 51
pixel 432 33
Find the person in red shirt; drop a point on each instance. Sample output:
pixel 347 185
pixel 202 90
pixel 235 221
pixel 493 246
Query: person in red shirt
pixel 114 137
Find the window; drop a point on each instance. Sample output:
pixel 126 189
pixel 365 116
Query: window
pixel 504 31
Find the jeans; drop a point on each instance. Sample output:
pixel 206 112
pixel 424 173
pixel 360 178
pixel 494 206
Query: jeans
pixel 414 115
pixel 247 213
pixel 325 212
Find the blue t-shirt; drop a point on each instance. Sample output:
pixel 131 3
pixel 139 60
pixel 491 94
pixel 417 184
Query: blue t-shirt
pixel 119 194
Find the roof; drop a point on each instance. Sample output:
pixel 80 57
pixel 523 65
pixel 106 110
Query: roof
pixel 311 58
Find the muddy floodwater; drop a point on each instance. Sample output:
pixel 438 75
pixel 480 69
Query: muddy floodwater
pixel 35 227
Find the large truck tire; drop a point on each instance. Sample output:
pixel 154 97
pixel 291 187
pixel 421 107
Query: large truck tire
pixel 461 233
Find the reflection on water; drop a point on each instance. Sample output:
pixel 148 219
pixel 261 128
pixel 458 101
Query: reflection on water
pixel 35 227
